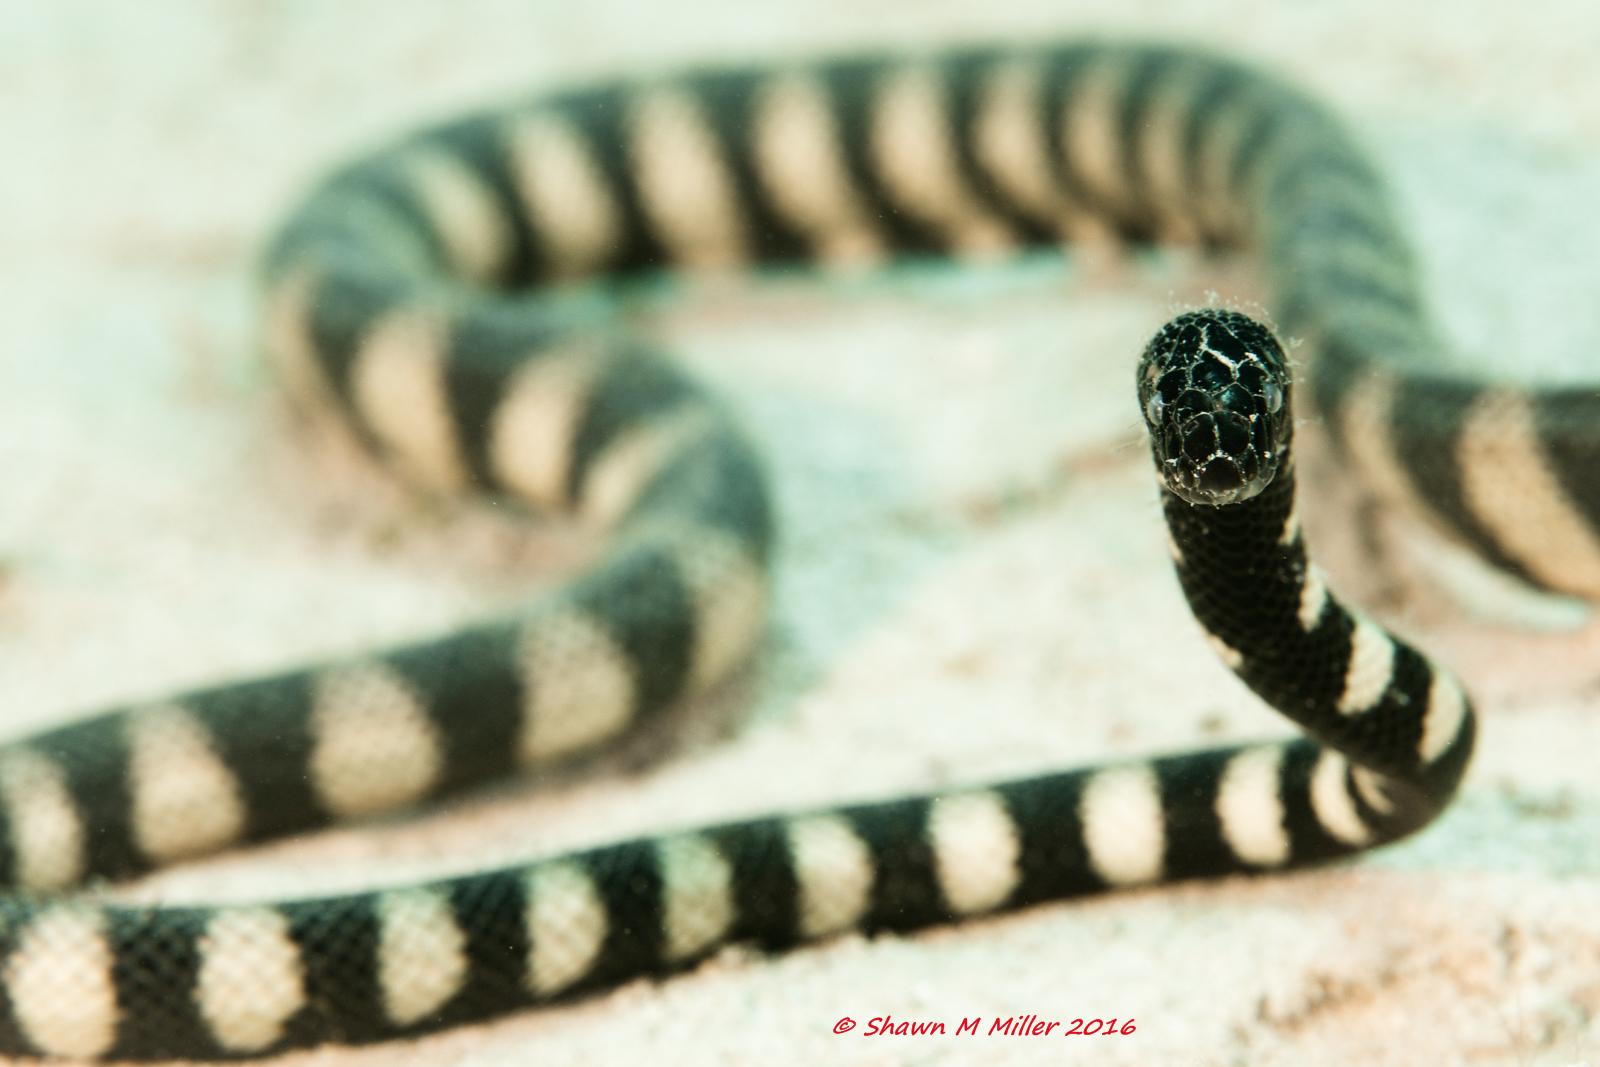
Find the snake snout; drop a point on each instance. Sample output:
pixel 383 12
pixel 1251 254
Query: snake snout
pixel 1213 386
pixel 1213 460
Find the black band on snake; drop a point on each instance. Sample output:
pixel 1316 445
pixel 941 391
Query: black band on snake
pixel 410 296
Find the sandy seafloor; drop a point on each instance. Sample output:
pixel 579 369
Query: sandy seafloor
pixel 973 580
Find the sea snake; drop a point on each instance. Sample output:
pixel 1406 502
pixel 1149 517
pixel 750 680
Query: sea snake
pixel 409 296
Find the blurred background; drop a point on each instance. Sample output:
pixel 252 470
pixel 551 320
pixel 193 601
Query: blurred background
pixel 973 580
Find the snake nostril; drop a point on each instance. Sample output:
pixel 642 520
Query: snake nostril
pixel 1233 435
pixel 1200 441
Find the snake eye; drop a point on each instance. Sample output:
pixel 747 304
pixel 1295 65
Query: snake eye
pixel 1272 393
pixel 1153 408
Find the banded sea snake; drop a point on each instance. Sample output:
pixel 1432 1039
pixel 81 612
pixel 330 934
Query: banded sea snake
pixel 390 299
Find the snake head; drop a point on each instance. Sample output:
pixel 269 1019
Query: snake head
pixel 1214 389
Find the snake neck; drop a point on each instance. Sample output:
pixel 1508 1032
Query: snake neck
pixel 1270 616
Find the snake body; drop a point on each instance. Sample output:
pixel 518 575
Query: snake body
pixel 415 294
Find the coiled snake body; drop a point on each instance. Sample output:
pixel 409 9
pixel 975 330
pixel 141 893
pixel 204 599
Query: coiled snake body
pixel 403 296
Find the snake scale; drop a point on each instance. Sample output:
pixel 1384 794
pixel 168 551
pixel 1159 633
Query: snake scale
pixel 403 296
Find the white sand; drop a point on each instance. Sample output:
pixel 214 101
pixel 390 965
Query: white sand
pixel 973 576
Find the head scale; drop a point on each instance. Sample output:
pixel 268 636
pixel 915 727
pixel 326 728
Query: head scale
pixel 1214 389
